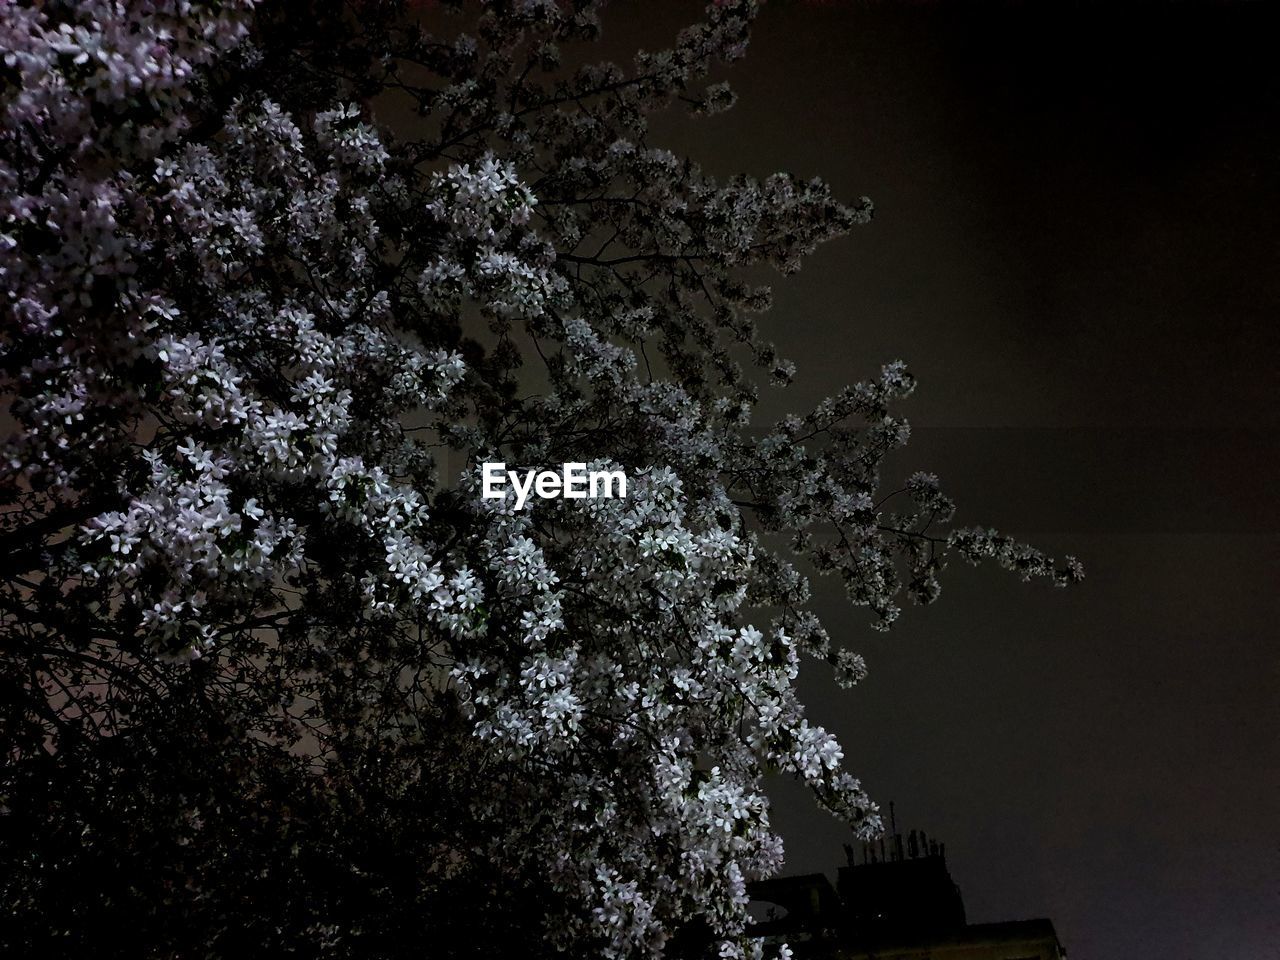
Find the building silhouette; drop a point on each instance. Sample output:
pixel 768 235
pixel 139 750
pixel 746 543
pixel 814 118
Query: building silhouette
pixel 898 903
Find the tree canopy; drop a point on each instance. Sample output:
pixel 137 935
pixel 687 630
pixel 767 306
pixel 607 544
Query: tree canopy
pixel 276 678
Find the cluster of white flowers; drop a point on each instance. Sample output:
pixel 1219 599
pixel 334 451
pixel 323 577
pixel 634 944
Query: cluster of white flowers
pixel 188 534
pixel 485 253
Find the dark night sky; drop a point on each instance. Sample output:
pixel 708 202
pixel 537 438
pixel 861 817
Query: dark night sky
pixel 1075 249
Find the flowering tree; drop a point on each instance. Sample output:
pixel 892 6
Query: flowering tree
pixel 275 676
